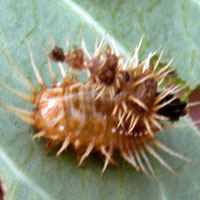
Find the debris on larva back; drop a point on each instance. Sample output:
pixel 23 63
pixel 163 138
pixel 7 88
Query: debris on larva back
pixel 118 109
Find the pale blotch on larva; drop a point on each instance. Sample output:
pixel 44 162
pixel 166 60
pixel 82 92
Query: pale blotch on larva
pixel 118 109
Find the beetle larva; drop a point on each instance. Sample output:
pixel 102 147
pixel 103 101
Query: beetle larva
pixel 118 109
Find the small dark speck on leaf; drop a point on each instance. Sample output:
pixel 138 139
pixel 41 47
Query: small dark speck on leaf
pixel 1 191
pixel 194 111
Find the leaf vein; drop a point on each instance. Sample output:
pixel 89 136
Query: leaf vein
pixel 22 177
pixel 84 15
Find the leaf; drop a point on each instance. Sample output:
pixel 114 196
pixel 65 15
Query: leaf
pixel 31 174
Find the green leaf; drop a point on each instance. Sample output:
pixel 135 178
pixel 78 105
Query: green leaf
pixel 27 171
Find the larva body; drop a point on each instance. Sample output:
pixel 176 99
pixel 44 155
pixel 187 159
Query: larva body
pixel 72 112
pixel 118 109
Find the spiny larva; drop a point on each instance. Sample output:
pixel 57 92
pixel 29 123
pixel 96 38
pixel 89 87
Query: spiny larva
pixel 119 109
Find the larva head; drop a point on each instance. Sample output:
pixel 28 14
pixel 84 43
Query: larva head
pixel 50 109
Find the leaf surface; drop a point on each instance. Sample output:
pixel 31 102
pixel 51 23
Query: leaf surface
pixel 31 174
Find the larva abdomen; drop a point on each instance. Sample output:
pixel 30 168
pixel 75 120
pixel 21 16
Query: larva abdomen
pixel 74 114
